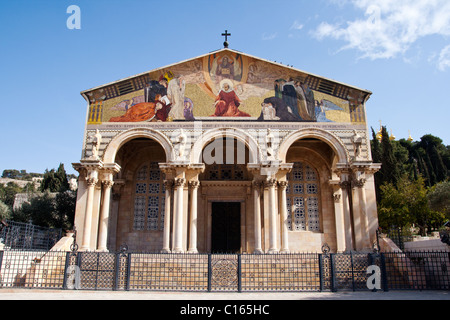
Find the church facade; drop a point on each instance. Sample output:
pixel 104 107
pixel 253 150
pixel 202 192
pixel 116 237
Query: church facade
pixel 226 153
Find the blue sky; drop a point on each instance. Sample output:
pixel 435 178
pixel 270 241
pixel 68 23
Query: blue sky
pixel 398 49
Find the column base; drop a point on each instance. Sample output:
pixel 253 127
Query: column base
pixel 178 250
pixel 285 251
pixel 258 251
pixel 192 251
pixel 165 251
pixel 273 251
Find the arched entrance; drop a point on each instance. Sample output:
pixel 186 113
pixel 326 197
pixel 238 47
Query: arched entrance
pixel 139 217
pixel 224 204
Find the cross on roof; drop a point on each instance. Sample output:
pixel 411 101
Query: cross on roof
pixel 226 34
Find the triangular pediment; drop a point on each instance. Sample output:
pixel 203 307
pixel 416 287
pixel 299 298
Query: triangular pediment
pixel 226 84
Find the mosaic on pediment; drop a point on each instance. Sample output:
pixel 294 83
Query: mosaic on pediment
pixel 224 86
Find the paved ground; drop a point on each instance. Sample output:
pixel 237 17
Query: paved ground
pixel 33 294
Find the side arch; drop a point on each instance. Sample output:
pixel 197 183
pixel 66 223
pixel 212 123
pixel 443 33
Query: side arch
pixel 118 141
pixel 343 157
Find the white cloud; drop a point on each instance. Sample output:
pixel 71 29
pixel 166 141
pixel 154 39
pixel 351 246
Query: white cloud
pixel 444 59
pixel 267 37
pixel 297 26
pixel 389 27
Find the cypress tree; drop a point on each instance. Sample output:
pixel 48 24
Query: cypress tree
pixel 430 169
pixel 438 165
pixel 376 157
pixel 390 168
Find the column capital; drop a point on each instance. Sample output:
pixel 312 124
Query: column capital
pixel 168 184
pixel 345 184
pixel 194 184
pixel 91 182
pixel 283 184
pixel 358 183
pixel 108 183
pixel 337 197
pixel 179 182
pixel 257 184
pixel 270 182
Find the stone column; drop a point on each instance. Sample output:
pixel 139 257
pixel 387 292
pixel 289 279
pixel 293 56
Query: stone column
pixel 364 222
pixel 339 218
pixel 168 184
pixel 271 184
pixel 284 217
pixel 114 214
pixel 193 186
pixel 91 181
pixel 345 186
pixel 178 214
pixel 257 212
pixel 104 215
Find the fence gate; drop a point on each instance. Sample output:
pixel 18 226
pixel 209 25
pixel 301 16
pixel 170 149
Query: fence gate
pixel 224 272
pixel 97 270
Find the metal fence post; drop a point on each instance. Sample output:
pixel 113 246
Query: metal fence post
pixel 1 260
pixel 383 272
pixel 320 273
pixel 66 266
pixel 117 267
pixel 239 273
pixel 128 274
pixel 209 272
pixel 332 273
pixel 353 272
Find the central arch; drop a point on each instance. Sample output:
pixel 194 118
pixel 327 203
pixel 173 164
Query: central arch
pixel 231 133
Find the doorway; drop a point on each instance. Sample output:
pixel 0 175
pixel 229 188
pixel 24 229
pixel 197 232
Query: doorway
pixel 226 227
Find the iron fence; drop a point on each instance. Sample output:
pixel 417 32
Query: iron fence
pixel 225 272
pixel 26 236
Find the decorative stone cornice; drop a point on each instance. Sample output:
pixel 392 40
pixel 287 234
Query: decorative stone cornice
pixel 228 183
pixel 111 168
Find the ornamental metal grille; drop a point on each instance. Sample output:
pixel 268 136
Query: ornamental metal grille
pixel 286 272
pixel 223 272
pixel 97 270
pixel 164 272
pixel 149 198
pixel 26 236
pixel 303 199
pixel 32 269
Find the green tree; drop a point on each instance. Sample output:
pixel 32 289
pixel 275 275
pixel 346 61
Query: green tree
pixel 62 176
pixel 405 204
pixel 40 210
pixel 8 193
pixel 65 203
pixel 393 209
pixel 5 212
pixel 55 180
pixel 376 157
pixel 439 198
pixel 438 164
